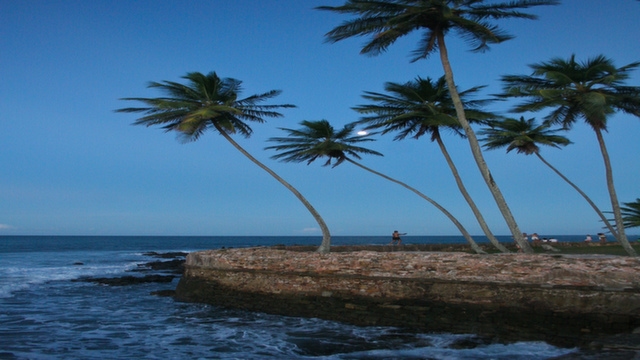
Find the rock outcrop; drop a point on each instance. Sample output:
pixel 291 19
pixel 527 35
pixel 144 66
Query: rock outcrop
pixel 562 299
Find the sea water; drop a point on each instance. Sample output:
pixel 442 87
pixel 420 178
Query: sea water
pixel 44 314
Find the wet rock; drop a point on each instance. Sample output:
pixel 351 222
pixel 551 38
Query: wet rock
pixel 562 299
pixel 128 280
pixel 175 266
pixel 165 293
pixel 167 255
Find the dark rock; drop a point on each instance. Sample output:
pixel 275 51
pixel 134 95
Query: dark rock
pixel 168 255
pixel 166 293
pixel 78 263
pixel 128 280
pixel 175 266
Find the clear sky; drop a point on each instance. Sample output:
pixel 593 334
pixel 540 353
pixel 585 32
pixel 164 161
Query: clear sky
pixel 70 165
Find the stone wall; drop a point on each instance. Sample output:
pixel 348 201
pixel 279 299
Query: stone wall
pixel 562 300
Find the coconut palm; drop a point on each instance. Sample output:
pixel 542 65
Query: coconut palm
pixel 631 214
pixel 208 102
pixel 388 20
pixel 524 136
pixel 422 107
pixel 318 139
pixel 592 91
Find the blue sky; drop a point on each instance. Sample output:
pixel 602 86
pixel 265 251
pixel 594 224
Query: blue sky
pixel 72 166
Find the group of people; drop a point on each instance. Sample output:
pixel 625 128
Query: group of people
pixel 601 237
pixel 535 239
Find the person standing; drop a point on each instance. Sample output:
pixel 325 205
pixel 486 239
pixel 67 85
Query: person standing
pixel 395 237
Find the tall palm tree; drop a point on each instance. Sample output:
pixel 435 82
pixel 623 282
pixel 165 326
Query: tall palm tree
pixel 524 136
pixel 388 20
pixel 422 107
pixel 631 214
pixel 318 139
pixel 591 91
pixel 208 102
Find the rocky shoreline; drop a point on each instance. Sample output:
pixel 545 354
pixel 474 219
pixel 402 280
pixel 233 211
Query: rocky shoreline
pixel 568 300
pixel 158 271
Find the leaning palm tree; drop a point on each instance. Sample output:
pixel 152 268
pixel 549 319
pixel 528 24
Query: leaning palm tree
pixel 631 214
pixel 318 139
pixel 388 20
pixel 422 107
pixel 208 102
pixel 592 91
pixel 524 136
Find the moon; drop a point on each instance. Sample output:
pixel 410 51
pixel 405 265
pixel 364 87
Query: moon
pixel 362 133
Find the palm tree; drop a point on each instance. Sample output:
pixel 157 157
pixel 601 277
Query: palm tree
pixel 388 20
pixel 592 91
pixel 631 214
pixel 524 136
pixel 318 139
pixel 422 107
pixel 208 102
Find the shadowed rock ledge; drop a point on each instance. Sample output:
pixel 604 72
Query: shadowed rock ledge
pixel 565 300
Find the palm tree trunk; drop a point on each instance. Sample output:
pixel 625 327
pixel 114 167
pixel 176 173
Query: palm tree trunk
pixel 602 217
pixel 455 221
pixel 326 236
pixel 617 214
pixel 477 152
pixel 467 197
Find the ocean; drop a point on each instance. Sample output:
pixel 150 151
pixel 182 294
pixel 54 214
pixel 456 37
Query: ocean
pixel 45 313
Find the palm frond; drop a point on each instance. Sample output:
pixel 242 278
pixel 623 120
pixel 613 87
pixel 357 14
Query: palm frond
pixel 385 21
pixel 418 107
pixel 317 140
pixel 204 102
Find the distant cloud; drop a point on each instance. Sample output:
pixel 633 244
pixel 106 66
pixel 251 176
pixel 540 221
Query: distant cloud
pixel 5 227
pixel 310 230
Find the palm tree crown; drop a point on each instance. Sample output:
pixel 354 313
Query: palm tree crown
pixel 392 19
pixel 590 90
pixel 205 102
pixel 419 107
pixel 318 139
pixel 521 135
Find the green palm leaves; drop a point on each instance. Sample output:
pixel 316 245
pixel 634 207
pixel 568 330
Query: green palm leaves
pixel 631 214
pixel 591 90
pixel 318 139
pixel 417 108
pixel 390 20
pixel 521 135
pixel 204 102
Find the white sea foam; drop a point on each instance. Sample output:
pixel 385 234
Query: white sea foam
pixel 45 316
pixel 21 271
